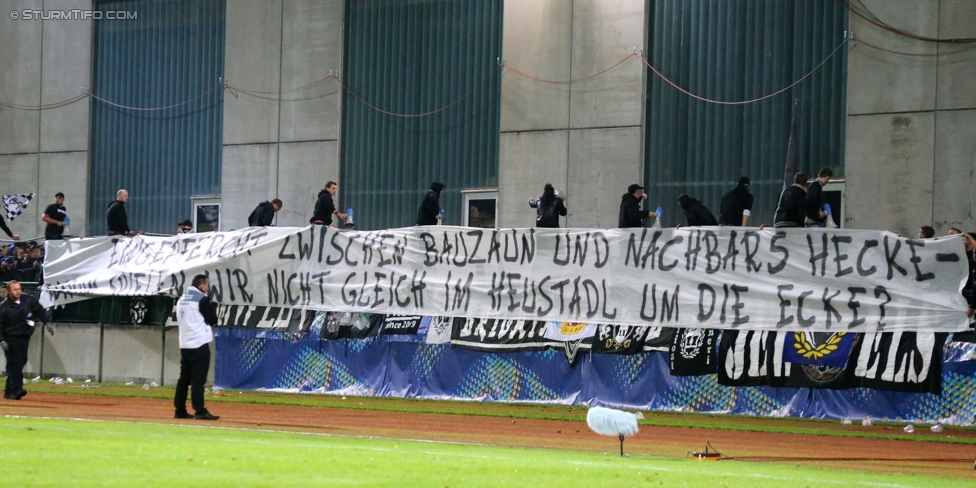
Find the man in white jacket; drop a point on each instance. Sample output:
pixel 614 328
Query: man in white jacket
pixel 195 315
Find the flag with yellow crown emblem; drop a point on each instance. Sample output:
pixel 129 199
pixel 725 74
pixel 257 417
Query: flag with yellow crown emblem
pixel 569 331
pixel 819 348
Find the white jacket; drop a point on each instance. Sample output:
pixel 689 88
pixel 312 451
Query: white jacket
pixel 194 330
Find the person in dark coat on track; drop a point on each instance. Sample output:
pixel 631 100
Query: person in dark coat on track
pixel 429 212
pixel 549 208
pixel 19 314
pixel 195 315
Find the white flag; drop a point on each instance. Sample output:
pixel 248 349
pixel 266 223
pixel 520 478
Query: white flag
pixel 569 331
pixel 16 204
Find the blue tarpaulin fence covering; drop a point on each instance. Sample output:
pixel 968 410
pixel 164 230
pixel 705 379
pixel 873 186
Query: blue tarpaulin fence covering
pixel 251 359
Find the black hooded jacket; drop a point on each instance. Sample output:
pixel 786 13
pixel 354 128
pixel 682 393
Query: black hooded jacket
pixel 118 223
pixel 630 214
pixel 430 207
pixel 324 209
pixel 814 201
pixel 262 216
pixel 698 214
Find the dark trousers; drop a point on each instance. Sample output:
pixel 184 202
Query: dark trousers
pixel 16 360
pixel 194 366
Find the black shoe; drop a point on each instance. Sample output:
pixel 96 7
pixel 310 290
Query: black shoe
pixel 11 396
pixel 182 415
pixel 21 394
pixel 206 416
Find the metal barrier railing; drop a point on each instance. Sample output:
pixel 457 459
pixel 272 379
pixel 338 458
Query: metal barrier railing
pixel 144 310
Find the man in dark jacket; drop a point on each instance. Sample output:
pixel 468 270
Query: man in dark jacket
pixel 549 208
pixel 695 211
pixel 263 214
pixel 118 223
pixel 816 216
pixel 737 205
pixel 325 206
pixel 430 208
pixel 631 214
pixel 54 216
pixel 18 315
pixel 790 210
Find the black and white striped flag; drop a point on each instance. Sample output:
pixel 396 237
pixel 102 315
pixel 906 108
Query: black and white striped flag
pixel 16 204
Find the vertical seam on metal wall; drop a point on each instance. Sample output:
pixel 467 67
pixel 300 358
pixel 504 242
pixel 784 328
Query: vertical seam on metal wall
pixel 340 106
pixel 91 123
pixel 935 113
pixel 569 97
pixel 40 122
pixel 281 65
pixel 645 99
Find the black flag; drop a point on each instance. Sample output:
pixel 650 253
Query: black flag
pixel 693 352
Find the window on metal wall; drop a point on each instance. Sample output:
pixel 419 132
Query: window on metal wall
pixel 480 208
pixel 737 52
pixel 421 104
pixel 834 193
pixel 206 214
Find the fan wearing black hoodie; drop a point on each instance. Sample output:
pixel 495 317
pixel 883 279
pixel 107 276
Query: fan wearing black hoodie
pixel 263 214
pixel 814 201
pixel 118 222
pixel 430 208
pixel 631 214
pixel 792 201
pixel 695 211
pixel 737 205
pixel 325 206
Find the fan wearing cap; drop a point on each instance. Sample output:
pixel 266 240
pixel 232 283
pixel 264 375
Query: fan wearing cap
pixel 631 214
pixel 54 216
pixel 185 227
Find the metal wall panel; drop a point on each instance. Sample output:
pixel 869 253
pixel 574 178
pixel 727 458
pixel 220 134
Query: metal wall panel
pixel 411 57
pixel 735 51
pixel 173 53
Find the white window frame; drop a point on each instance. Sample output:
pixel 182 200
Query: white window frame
pixel 477 194
pixel 202 200
pixel 838 184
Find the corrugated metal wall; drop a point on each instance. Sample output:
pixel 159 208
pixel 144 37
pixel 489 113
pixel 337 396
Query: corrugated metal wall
pixel 173 53
pixel 738 51
pixel 411 57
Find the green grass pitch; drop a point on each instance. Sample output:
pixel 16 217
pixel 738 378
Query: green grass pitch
pixel 59 452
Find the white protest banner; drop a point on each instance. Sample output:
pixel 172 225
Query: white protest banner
pixel 710 277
